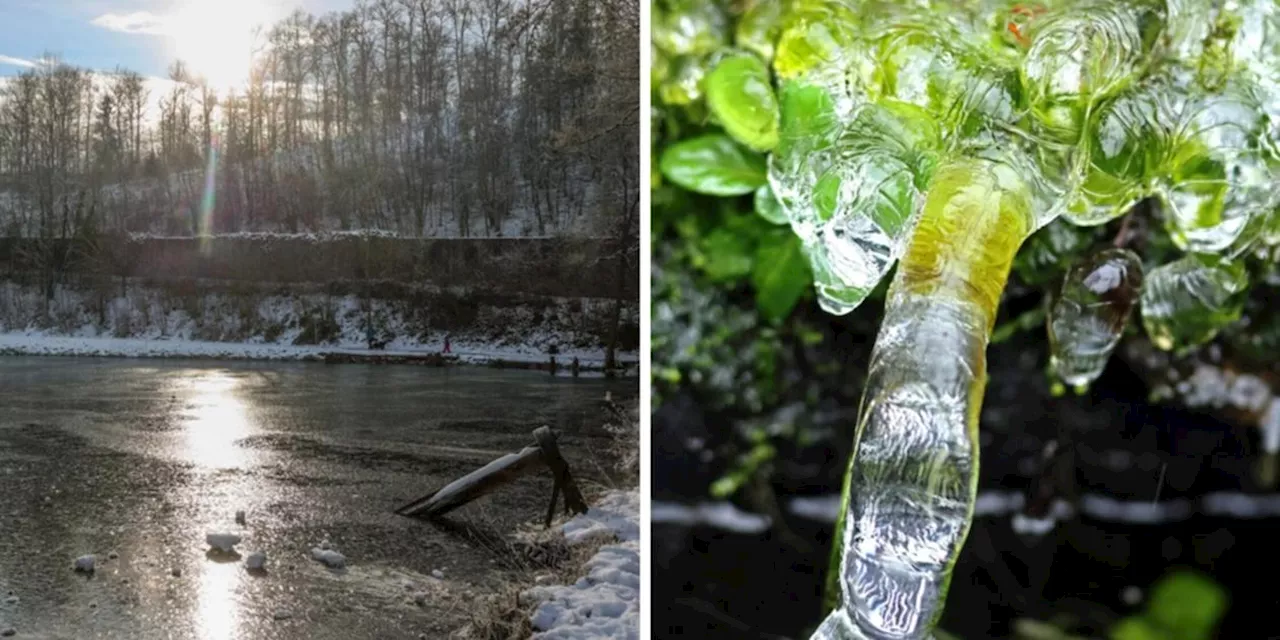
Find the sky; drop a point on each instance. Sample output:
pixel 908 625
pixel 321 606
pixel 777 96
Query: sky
pixel 146 36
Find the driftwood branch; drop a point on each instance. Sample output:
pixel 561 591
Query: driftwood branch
pixel 500 472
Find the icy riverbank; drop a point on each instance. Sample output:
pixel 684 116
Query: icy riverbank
pixel 41 344
pixel 604 603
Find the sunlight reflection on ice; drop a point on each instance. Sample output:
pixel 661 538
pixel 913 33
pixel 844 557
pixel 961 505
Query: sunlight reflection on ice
pixel 218 616
pixel 214 420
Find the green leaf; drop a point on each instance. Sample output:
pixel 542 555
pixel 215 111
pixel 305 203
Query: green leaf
pixel 713 164
pixel 808 112
pixel 728 255
pixel 1136 628
pixel 1187 604
pixel 768 207
pixel 781 275
pixel 739 93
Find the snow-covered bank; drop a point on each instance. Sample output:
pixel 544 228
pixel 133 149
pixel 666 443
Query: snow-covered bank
pixel 36 344
pixel 274 324
pixel 604 603
pixel 23 344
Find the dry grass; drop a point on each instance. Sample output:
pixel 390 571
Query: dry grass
pixel 530 557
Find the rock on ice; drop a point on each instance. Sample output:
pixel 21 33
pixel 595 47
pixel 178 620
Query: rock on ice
pixel 85 563
pixel 329 558
pixel 256 560
pixel 225 542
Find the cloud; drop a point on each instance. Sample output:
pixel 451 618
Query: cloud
pixel 143 22
pixel 18 62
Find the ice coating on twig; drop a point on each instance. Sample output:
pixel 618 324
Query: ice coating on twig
pixel 1090 313
pixel 914 474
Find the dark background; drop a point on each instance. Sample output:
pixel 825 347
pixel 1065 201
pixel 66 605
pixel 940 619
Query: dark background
pixel 714 583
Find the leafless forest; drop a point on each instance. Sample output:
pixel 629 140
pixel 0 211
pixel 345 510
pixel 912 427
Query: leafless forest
pixel 408 117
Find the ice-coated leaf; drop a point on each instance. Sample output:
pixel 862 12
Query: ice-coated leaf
pixel 1126 149
pixel 1186 302
pixel 852 200
pixel 1082 52
pixel 815 33
pixel 740 94
pixel 1218 181
pixel 927 63
pixel 713 164
pixel 1090 312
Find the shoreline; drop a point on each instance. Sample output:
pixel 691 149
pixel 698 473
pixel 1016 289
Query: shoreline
pixel 591 362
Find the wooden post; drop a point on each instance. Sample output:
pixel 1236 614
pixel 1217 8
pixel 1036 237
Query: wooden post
pixel 551 509
pixel 573 500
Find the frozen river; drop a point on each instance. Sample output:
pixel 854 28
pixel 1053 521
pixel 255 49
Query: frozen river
pixel 136 460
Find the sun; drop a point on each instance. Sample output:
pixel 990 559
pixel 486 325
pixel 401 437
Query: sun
pixel 215 38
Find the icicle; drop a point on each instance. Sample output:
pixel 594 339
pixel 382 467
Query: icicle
pixel 913 480
pixel 1089 316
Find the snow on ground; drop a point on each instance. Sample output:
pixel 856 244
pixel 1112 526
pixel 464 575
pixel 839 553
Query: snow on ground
pixel 605 603
pixel 37 344
pixel 616 513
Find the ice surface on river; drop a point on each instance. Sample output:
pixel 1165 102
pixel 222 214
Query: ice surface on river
pixel 1089 315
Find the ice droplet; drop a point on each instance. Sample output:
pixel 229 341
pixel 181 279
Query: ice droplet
pixel 1088 317
pixel 1186 302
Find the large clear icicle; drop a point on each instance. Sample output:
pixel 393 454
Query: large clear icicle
pixel 1089 315
pixel 913 478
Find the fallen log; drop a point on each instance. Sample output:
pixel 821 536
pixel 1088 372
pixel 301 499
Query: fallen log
pixel 500 472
